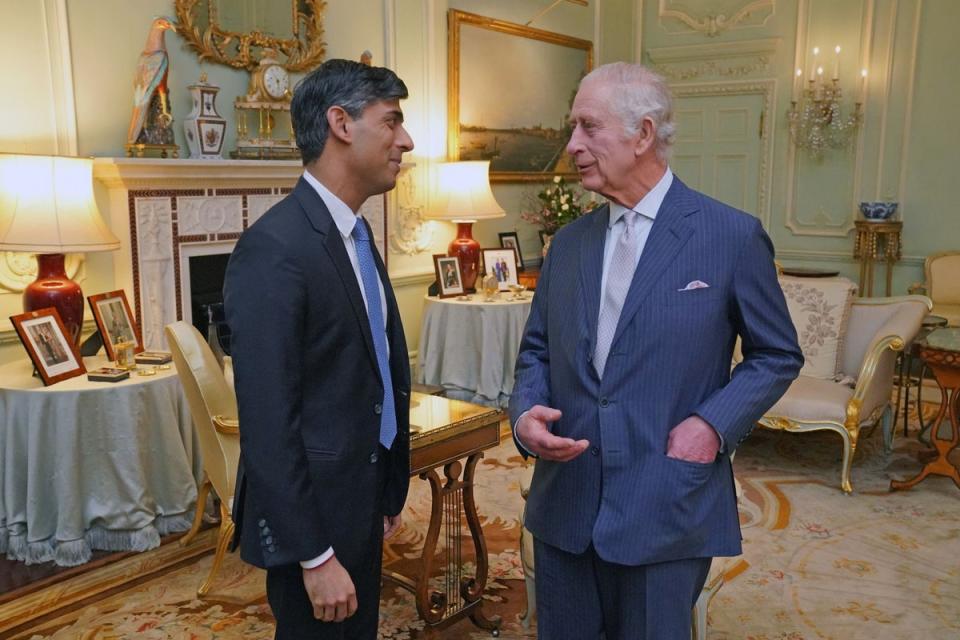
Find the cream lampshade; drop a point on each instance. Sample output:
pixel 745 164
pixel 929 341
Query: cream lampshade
pixel 47 208
pixel 464 196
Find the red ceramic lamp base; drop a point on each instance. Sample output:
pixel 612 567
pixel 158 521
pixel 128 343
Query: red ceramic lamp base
pixel 53 288
pixel 468 250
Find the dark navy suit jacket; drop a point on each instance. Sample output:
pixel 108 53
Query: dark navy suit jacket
pixel 670 359
pixel 309 390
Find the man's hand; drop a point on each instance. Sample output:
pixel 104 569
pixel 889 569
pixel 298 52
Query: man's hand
pixel 390 525
pixel 535 436
pixel 331 591
pixel 693 440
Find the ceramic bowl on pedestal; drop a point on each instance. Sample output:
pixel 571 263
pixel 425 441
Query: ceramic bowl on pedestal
pixel 878 211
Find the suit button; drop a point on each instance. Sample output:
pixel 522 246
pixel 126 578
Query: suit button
pixel 266 531
pixel 604 402
pixel 595 451
pixel 262 523
pixel 374 457
pixel 272 548
pixel 269 540
pixel 378 408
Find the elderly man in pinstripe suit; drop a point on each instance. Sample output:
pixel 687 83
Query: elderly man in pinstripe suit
pixel 623 383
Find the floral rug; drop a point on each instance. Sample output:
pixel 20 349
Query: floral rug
pixel 816 563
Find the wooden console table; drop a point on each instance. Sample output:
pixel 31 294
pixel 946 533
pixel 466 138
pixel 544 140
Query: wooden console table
pixel 941 352
pixel 451 434
pixel 876 241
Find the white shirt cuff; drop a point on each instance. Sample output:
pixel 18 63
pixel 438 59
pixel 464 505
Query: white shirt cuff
pixel 519 442
pixel 319 560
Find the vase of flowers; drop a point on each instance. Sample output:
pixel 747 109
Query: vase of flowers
pixel 555 205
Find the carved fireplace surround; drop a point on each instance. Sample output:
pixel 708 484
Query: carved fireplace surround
pixel 165 211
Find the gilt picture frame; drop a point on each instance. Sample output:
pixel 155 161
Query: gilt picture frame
pixel 48 344
pixel 522 127
pixel 116 323
pixel 503 264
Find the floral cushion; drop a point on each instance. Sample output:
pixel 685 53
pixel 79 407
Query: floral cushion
pixel 819 309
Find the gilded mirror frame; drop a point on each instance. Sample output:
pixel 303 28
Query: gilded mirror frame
pixel 303 50
pixel 531 67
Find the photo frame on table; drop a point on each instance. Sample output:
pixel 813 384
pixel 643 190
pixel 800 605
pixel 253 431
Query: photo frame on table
pixel 46 340
pixel 509 240
pixel 115 321
pixel 503 264
pixel 522 127
pixel 449 275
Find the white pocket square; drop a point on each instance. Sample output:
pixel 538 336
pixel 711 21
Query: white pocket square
pixel 695 284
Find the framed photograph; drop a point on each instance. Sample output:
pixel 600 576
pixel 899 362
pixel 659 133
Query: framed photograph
pixel 502 263
pixel 509 240
pixel 522 127
pixel 115 321
pixel 46 340
pixel 449 275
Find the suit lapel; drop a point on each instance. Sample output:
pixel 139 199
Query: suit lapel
pixel 322 222
pixel 669 233
pixel 591 269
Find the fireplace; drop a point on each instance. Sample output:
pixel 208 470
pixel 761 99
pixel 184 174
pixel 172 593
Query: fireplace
pixel 178 221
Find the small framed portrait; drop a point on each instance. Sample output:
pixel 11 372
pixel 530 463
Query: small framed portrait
pixel 45 338
pixel 502 263
pixel 449 275
pixel 509 240
pixel 115 321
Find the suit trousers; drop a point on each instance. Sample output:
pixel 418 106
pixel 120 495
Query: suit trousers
pixel 361 554
pixel 584 597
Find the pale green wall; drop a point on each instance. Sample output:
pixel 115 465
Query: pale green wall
pixel 907 150
pixel 908 140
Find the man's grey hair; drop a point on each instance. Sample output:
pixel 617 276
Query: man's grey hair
pixel 638 93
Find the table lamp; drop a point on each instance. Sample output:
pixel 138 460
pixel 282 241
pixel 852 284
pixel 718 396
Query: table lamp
pixel 47 208
pixel 464 196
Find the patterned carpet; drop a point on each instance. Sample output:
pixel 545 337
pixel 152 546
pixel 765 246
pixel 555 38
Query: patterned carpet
pixel 816 563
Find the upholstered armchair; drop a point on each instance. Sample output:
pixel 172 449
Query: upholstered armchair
pixel 213 406
pixel 942 285
pixel 876 329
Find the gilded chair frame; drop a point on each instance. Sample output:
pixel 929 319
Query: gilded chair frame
pixel 849 429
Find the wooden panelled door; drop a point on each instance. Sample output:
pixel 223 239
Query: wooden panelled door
pixel 718 146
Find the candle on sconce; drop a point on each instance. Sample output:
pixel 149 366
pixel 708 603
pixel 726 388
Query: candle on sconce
pixel 836 63
pixel 813 64
pixel 863 86
pixel 798 84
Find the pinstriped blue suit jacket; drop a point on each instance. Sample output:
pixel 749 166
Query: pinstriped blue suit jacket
pixel 670 359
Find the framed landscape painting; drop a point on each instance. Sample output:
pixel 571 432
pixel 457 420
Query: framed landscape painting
pixel 521 127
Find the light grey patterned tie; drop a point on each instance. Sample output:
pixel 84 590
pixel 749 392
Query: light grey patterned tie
pixel 622 265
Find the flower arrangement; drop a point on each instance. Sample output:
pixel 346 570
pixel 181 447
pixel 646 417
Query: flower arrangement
pixel 556 205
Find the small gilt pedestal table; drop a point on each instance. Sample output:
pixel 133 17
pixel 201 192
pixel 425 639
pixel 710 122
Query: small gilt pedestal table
pixel 941 352
pixel 876 241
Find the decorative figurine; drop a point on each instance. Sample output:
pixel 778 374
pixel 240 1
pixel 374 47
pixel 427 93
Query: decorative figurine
pixel 204 127
pixel 151 124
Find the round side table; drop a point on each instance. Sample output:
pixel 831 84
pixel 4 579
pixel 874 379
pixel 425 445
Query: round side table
pixel 941 352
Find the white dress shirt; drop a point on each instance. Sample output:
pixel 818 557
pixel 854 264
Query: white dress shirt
pixel 345 219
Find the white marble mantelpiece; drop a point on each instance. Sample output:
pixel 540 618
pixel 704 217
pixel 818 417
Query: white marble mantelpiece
pixel 165 211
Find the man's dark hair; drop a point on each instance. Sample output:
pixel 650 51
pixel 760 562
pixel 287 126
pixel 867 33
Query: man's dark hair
pixel 344 83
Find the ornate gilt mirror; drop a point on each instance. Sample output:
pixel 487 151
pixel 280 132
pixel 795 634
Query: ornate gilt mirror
pixel 236 32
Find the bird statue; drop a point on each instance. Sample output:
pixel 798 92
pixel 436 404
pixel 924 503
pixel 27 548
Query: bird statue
pixel 151 120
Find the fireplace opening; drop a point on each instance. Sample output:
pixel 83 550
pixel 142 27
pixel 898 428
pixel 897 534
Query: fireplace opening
pixel 206 296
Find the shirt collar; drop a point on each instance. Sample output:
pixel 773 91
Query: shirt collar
pixel 343 216
pixel 649 205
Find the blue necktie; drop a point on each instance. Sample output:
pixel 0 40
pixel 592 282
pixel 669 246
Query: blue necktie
pixel 371 287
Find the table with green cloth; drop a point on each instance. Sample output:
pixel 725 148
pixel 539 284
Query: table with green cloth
pixel 93 465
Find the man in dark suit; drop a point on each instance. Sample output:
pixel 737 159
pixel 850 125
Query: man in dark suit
pixel 321 367
pixel 623 384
